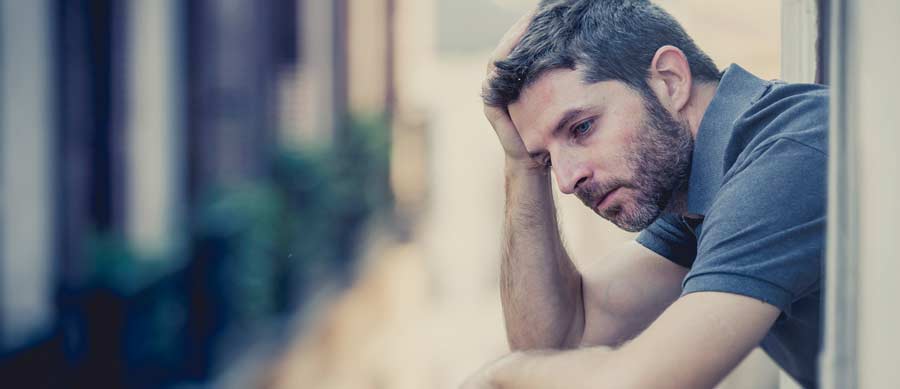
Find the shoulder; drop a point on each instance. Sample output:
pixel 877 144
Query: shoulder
pixel 787 124
pixel 776 175
pixel 798 112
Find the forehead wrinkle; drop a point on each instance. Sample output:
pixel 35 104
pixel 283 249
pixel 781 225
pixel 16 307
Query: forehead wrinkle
pixel 546 93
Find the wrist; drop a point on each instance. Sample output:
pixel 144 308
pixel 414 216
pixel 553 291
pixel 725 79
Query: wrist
pixel 525 168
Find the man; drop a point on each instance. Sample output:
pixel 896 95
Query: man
pixel 723 173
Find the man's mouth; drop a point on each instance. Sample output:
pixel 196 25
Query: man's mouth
pixel 604 200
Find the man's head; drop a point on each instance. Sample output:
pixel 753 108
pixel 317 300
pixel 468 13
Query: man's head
pixel 598 87
pixel 610 39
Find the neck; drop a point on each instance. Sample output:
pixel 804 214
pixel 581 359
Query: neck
pixel 701 95
pixel 678 203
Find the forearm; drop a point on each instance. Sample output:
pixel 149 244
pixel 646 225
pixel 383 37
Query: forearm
pixel 581 368
pixel 540 286
pixel 693 344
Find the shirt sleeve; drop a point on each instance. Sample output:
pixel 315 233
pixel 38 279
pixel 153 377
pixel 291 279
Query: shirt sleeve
pixel 763 235
pixel 670 238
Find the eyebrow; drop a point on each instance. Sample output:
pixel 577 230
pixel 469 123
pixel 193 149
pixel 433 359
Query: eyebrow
pixel 567 117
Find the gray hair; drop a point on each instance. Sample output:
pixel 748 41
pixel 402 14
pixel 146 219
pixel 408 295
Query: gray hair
pixel 610 39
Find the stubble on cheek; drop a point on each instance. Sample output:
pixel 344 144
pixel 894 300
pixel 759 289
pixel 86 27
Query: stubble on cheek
pixel 659 159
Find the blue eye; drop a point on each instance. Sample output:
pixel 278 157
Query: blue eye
pixel 583 127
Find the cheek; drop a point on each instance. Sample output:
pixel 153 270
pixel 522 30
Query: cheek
pixel 568 157
pixel 613 142
pixel 621 125
pixel 610 152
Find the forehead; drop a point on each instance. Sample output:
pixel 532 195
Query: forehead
pixel 541 105
pixel 552 88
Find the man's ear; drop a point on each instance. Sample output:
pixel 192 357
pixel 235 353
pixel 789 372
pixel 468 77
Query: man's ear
pixel 670 78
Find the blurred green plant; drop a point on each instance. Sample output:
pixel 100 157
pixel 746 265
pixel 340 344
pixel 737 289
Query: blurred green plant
pixel 142 294
pixel 254 245
pixel 307 214
pixel 115 265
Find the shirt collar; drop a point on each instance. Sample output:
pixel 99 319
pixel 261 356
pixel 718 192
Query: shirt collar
pixel 736 92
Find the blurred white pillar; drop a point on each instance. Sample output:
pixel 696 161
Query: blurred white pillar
pixel 863 277
pixel 798 40
pixel 154 130
pixel 316 79
pixel 367 56
pixel 26 160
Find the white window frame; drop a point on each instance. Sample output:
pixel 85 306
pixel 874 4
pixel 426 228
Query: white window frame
pixel 863 269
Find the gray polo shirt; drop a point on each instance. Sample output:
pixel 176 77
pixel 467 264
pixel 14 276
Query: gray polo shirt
pixel 758 178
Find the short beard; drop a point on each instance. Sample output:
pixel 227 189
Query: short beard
pixel 660 158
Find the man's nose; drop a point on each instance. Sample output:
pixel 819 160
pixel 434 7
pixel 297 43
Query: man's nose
pixel 570 176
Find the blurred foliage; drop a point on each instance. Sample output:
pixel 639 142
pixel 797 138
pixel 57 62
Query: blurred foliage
pixel 255 245
pixel 308 214
pixel 116 266
pixel 142 295
pixel 308 211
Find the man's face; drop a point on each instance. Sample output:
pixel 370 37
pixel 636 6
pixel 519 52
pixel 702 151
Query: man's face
pixel 623 155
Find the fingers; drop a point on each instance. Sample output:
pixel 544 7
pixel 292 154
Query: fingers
pixel 499 118
pixel 507 133
pixel 510 39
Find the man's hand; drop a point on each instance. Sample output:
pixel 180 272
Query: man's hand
pixel 543 369
pixel 516 153
pixel 694 344
pixel 488 376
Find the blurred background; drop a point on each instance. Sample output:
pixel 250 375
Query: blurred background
pixel 270 194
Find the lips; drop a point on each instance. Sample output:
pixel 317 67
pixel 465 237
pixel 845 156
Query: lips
pixel 595 195
pixel 601 202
